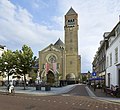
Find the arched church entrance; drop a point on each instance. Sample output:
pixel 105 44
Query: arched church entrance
pixel 70 78
pixel 50 77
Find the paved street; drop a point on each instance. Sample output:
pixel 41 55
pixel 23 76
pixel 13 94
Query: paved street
pixel 79 90
pixel 76 99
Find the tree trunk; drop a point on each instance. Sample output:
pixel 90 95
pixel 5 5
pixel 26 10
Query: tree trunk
pixel 24 82
pixel 8 79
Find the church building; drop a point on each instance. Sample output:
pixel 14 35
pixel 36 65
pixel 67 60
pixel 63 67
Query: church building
pixel 60 61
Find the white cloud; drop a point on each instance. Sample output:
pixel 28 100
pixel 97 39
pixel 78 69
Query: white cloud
pixel 17 28
pixel 39 4
pixel 58 20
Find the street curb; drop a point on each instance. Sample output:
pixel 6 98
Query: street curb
pixel 67 90
pixel 91 94
pixel 107 100
pixel 46 93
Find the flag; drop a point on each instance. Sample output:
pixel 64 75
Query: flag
pixel 54 67
pixel 47 67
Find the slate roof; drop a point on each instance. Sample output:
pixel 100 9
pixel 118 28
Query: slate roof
pixel 59 42
pixel 71 11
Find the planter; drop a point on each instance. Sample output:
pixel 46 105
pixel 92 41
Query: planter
pixel 38 87
pixel 47 87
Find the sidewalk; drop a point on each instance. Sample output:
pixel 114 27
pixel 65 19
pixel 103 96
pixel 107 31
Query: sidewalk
pixel 101 95
pixel 42 92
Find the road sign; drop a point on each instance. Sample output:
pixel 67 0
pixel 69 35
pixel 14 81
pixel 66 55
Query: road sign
pixel 94 74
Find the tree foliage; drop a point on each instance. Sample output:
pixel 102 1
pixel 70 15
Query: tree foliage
pixel 8 63
pixel 25 61
pixel 19 61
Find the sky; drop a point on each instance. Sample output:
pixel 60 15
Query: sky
pixel 38 23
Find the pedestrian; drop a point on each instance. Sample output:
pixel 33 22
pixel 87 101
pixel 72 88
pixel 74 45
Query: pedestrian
pixel 11 88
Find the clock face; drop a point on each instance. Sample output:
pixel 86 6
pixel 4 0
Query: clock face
pixel 71 28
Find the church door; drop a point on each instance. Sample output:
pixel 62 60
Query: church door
pixel 50 77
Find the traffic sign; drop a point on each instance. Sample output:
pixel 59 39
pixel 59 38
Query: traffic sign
pixel 94 74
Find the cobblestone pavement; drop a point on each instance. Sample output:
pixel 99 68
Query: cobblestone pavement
pixel 69 101
pixel 26 102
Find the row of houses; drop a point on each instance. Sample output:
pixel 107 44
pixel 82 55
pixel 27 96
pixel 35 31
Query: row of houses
pixel 106 62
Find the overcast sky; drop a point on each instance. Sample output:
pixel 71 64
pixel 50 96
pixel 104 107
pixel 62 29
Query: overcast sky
pixel 39 23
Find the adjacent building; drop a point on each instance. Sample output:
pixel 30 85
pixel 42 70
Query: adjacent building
pixel 102 55
pixel 60 61
pixel 106 62
pixel 99 62
pixel 95 64
pixel 113 57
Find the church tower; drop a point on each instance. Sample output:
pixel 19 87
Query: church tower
pixel 71 45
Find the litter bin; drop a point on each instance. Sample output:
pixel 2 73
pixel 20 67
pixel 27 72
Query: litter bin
pixel 38 87
pixel 47 87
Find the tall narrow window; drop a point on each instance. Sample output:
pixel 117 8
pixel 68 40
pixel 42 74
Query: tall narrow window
pixel 107 61
pixel 58 65
pixel 110 59
pixel 43 66
pixel 116 55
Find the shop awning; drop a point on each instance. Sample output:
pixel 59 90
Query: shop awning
pixel 91 79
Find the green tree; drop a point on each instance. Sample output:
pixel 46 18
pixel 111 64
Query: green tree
pixel 8 63
pixel 25 61
pixel 84 78
pixel 33 75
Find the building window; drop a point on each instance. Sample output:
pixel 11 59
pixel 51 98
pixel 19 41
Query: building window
pixel 43 66
pixel 110 59
pixel 58 65
pixel 107 61
pixel 71 22
pixel 116 55
pixel 52 59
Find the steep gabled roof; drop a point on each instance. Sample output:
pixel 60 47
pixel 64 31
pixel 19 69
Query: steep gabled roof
pixel 51 47
pixel 71 11
pixel 59 42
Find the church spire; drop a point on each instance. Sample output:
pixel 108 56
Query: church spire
pixel 71 11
